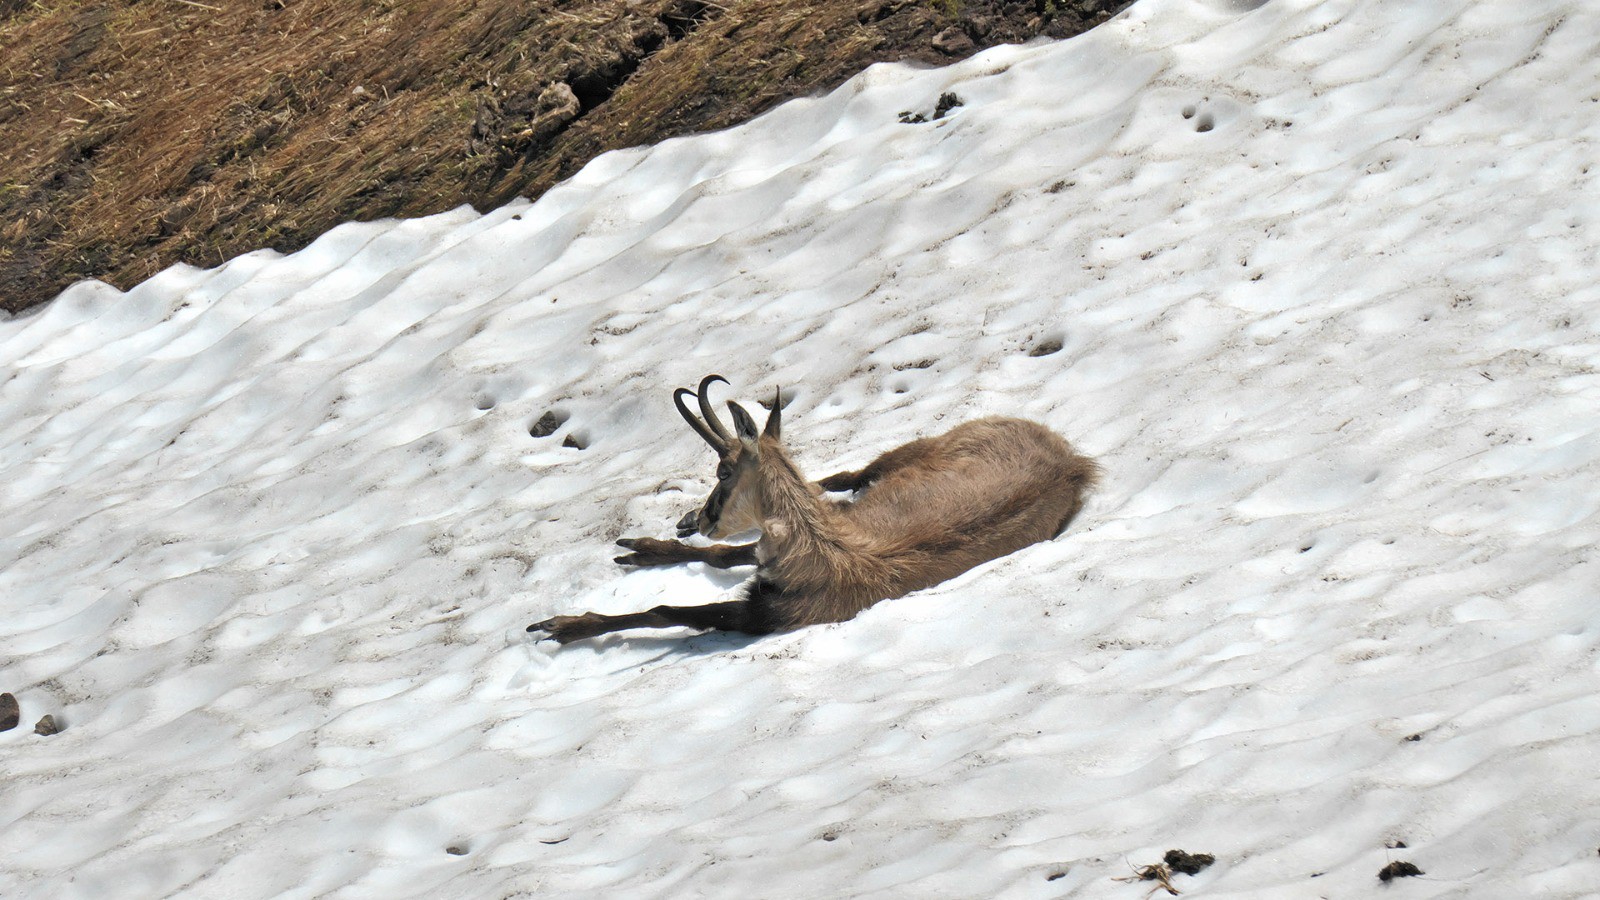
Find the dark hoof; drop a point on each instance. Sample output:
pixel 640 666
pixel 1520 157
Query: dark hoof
pixel 566 629
pixel 631 559
pixel 650 552
pixel 548 626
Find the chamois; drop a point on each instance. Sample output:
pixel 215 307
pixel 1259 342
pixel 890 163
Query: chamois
pixel 921 514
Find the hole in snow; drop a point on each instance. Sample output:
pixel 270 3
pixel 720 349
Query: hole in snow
pixel 577 440
pixel 1205 123
pixel 1048 344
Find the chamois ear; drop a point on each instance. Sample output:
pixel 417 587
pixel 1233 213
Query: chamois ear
pixel 775 417
pixel 743 426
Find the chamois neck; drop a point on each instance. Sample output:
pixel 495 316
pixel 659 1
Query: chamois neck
pixel 795 521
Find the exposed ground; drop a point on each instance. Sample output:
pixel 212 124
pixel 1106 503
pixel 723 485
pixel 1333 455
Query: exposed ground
pixel 138 134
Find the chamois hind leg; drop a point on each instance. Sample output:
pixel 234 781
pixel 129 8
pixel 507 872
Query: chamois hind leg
pixel 653 552
pixel 898 458
pixel 730 615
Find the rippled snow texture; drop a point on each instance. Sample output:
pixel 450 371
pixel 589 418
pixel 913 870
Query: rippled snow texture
pixel 1323 279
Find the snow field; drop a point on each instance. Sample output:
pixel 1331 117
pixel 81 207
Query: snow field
pixel 1314 281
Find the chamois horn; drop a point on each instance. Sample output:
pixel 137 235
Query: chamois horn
pixel 715 433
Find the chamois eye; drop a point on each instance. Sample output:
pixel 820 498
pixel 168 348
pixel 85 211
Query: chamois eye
pixel 724 472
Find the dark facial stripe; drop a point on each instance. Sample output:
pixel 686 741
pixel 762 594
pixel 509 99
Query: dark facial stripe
pixel 712 512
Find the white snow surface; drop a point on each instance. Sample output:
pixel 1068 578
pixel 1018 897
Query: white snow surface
pixel 1323 276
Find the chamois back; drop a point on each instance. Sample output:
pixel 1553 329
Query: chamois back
pixel 987 476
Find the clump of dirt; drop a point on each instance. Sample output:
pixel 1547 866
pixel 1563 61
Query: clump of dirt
pixel 1399 870
pixel 10 712
pixel 138 135
pixel 1188 863
pixel 1172 863
pixel 547 423
pixel 947 102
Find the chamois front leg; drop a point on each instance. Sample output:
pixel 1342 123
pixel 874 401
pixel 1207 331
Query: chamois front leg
pixel 731 615
pixel 653 552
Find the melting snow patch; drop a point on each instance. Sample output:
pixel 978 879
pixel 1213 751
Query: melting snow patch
pixel 1315 281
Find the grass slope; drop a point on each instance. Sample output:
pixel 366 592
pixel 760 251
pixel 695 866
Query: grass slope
pixel 137 135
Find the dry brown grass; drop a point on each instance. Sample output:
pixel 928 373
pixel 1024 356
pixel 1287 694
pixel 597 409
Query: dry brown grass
pixel 137 134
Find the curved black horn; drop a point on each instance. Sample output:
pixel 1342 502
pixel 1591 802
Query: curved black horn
pixel 717 443
pixel 710 413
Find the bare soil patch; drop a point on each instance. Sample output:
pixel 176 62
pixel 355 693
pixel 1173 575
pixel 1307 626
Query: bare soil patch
pixel 139 133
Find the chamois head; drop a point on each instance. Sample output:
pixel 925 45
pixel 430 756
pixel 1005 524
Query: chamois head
pixel 734 506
